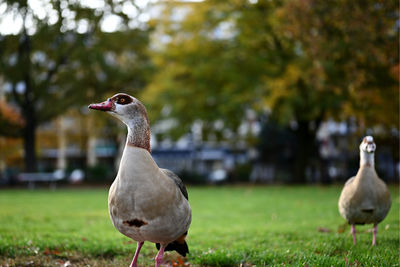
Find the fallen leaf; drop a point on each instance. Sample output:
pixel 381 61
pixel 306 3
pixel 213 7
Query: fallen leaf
pixel 47 251
pixel 342 228
pixel 324 230
pixel 181 262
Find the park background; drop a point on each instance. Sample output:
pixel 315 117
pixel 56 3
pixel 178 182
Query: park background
pixel 239 94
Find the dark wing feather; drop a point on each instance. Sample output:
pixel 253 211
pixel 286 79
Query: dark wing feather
pixel 177 181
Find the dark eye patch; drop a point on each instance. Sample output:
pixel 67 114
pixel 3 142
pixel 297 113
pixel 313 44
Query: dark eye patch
pixel 124 99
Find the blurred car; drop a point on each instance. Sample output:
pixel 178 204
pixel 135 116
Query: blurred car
pixel 217 176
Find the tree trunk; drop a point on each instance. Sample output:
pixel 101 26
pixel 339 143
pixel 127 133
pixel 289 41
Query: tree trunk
pixel 30 141
pixel 27 102
pixel 29 106
pixel 306 151
pixel 91 158
pixel 62 144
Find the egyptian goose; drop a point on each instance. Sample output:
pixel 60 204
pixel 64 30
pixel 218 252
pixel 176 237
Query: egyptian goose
pixel 365 198
pixel 146 203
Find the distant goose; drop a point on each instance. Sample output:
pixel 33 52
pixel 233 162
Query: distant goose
pixel 146 203
pixel 365 198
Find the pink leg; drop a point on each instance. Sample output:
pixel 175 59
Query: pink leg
pixel 353 232
pixel 135 258
pixel 374 234
pixel 159 257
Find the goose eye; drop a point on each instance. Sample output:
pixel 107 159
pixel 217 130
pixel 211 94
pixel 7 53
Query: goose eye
pixel 123 100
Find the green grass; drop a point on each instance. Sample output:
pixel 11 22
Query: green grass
pixel 232 226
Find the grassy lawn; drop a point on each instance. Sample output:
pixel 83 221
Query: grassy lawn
pixel 232 226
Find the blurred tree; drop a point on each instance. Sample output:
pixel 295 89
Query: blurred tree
pixel 345 64
pixel 351 51
pixel 62 57
pixel 11 121
pixel 304 60
pixel 211 58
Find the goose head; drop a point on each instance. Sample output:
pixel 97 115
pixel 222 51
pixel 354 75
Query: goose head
pixel 126 108
pixel 368 145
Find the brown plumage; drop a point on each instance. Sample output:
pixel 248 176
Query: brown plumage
pixel 365 198
pixel 146 203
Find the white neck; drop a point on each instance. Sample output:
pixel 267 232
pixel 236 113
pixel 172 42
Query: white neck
pixel 139 135
pixel 367 159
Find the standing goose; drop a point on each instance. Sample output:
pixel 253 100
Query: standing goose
pixel 365 198
pixel 146 203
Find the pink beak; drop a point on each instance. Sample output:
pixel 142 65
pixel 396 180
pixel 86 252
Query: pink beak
pixel 103 106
